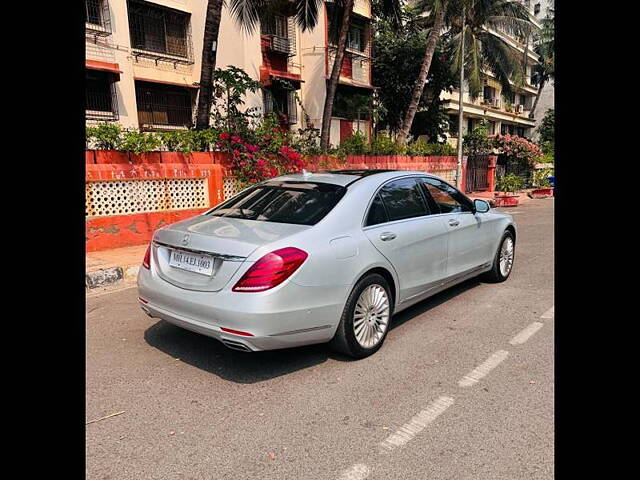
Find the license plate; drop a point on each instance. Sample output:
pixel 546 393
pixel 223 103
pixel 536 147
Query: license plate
pixel 193 262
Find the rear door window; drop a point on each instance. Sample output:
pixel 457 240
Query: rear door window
pixel 402 199
pixel 377 213
pixel 300 203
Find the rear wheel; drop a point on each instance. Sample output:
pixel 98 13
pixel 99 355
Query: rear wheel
pixel 503 261
pixel 365 319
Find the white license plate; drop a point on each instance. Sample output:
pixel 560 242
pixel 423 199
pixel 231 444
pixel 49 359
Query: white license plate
pixel 193 262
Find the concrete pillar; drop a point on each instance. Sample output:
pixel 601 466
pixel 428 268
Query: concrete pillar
pixel 463 175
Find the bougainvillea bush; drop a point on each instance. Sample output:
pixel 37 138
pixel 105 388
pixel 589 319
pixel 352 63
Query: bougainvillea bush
pixel 516 148
pixel 261 157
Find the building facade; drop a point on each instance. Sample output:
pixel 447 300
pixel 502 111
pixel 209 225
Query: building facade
pixel 503 115
pixel 143 63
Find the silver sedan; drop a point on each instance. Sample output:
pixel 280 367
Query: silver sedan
pixel 321 257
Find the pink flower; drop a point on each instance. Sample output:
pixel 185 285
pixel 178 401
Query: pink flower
pixel 224 136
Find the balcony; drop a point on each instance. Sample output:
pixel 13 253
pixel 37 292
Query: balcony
pixel 100 97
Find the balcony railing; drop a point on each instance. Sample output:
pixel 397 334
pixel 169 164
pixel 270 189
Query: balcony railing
pixel 163 108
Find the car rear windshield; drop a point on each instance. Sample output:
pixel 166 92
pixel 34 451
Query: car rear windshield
pixel 300 203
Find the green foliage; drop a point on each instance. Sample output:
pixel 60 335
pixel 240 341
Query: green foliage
pixel 395 66
pixel 230 85
pixel 477 142
pixel 547 131
pixel 104 136
pixel 356 144
pixel 541 177
pixel 382 144
pixel 421 148
pixel 509 183
pixel 139 142
pixel 307 141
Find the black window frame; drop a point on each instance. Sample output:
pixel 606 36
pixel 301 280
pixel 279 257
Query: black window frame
pixel 386 209
pixel 464 200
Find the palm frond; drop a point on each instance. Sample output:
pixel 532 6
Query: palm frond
pixel 473 67
pixel 247 13
pixel 307 13
pixel 501 59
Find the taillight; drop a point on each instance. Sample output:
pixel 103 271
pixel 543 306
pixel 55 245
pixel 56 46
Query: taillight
pixel 271 270
pixel 146 263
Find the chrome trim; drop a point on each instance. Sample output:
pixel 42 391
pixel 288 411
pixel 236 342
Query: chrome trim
pixel 303 330
pixel 228 258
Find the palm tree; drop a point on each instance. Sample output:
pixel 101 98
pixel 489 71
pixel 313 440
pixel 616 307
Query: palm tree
pixel 247 13
pixel 340 29
pixel 439 8
pixel 484 49
pixel 545 69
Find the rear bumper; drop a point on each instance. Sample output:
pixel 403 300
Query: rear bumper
pixel 287 316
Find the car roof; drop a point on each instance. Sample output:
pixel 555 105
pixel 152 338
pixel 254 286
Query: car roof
pixel 347 177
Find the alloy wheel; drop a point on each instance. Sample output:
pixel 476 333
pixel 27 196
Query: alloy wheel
pixel 371 316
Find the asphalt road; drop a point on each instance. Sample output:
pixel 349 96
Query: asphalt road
pixel 462 389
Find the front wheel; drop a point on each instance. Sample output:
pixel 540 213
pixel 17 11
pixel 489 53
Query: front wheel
pixel 503 261
pixel 365 318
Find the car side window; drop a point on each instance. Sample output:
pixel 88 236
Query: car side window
pixel 402 199
pixel 448 199
pixel 377 213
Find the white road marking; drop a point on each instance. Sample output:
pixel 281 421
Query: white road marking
pixel 524 335
pixel 548 314
pixel 358 471
pixel 417 423
pixel 480 371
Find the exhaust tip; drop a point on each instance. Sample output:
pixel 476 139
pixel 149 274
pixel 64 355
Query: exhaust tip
pixel 235 345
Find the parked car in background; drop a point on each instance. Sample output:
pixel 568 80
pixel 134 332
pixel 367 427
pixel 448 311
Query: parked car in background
pixel 321 257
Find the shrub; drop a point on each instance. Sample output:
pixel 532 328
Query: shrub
pixel 307 141
pixel 516 148
pixel 139 142
pixel 356 144
pixel 509 183
pixel 477 142
pixel 104 136
pixel 541 177
pixel 420 148
pixel 382 144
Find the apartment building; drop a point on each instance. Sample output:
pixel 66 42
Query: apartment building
pixel 503 114
pixel 143 64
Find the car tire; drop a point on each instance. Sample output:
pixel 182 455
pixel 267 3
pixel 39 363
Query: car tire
pixel 498 273
pixel 362 345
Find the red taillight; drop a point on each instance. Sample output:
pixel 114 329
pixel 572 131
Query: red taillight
pixel 271 270
pixel 146 263
pixel 236 332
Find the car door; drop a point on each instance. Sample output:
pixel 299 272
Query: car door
pixel 400 226
pixel 469 234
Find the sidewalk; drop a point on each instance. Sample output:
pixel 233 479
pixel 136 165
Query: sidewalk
pixel 116 266
pixel 522 196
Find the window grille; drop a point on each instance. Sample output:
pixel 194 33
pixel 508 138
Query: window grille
pixel 100 96
pixel 159 32
pixel 98 18
pixel 163 106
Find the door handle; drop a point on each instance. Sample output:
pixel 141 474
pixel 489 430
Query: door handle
pixel 454 223
pixel 386 236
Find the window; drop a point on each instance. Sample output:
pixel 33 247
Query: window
pixel 94 11
pixel 100 96
pixel 282 102
pixel 299 203
pixel 377 213
pixel 489 93
pixel 536 8
pixel 163 105
pixel 355 38
pixel 447 198
pixel 275 24
pixel 402 199
pixel 160 30
pixel 491 128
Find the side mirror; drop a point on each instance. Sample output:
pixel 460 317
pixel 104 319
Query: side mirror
pixel 481 206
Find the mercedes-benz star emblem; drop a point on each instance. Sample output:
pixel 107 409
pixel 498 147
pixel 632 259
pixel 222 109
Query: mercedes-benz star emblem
pixel 185 240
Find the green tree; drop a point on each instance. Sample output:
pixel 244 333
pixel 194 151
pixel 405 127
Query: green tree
pixel 547 131
pixel 544 71
pixel 247 14
pixel 398 56
pixel 338 32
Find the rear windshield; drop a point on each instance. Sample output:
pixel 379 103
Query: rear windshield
pixel 300 203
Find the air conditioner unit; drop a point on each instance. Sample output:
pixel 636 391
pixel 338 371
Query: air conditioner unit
pixel 280 44
pixel 520 109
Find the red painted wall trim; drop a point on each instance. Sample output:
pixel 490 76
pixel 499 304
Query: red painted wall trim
pixel 185 85
pixel 105 66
